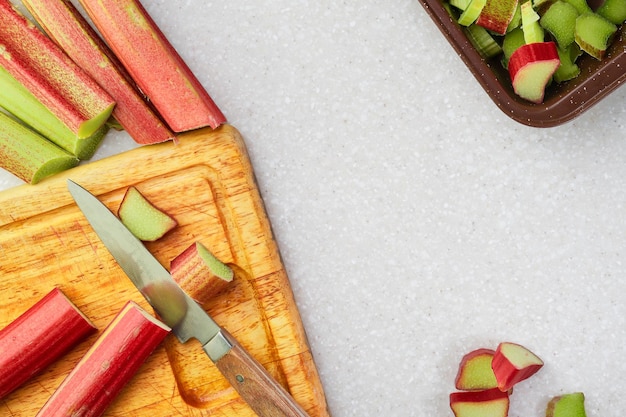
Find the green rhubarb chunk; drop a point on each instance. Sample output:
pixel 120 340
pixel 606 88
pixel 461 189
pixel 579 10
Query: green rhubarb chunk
pixel 512 40
pixel 28 155
pixel 482 40
pixel 568 69
pixel 580 5
pixel 533 32
pixel 91 126
pixel 147 222
pixel 560 21
pixel 613 10
pixel 460 4
pixel 594 34
pixel 516 21
pixel 24 106
pixel 471 13
pixel 567 405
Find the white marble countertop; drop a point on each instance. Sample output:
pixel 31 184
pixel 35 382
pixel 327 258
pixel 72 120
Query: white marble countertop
pixel 416 220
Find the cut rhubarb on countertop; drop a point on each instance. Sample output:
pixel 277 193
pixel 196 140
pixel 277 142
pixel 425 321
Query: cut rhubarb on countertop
pixel 41 335
pixel 200 274
pixel 487 403
pixel 475 372
pixel 23 105
pixel 531 67
pixel 567 405
pixel 70 30
pixel 513 363
pixel 28 155
pixel 154 64
pixel 50 75
pixel 108 365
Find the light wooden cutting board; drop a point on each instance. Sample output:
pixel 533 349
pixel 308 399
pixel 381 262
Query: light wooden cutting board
pixel 206 182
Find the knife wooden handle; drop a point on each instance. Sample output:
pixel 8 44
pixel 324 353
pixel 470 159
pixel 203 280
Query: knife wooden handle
pixel 254 384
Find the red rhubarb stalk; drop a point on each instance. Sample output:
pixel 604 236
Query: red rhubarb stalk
pixel 108 365
pixel 70 30
pixel 154 64
pixel 38 337
pixel 50 75
pixel 200 274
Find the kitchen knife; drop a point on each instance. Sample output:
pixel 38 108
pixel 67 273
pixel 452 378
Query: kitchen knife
pixel 186 317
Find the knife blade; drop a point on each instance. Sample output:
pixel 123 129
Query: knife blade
pixel 180 312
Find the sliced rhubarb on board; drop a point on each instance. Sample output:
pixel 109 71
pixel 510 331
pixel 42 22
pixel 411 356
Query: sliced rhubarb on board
pixel 38 337
pixel 146 221
pixel 28 155
pixel 50 75
pixel 23 105
pixel 487 403
pixel 154 64
pixel 108 365
pixel 200 273
pixel 513 363
pixel 531 67
pixel 70 30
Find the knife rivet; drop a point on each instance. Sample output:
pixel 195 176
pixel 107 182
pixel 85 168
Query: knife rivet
pixel 239 378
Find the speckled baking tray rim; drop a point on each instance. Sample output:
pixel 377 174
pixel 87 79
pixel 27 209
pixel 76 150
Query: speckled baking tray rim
pixel 562 102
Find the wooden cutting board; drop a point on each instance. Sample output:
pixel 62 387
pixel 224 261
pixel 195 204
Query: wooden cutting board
pixel 207 184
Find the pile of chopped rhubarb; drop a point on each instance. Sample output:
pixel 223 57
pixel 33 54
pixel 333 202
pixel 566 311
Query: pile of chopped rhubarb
pixel 62 87
pixel 538 41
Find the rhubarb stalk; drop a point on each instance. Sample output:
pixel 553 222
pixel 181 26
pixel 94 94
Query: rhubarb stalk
pixel 38 337
pixel 154 64
pixel 28 155
pixel 70 30
pixel 200 274
pixel 50 75
pixel 108 365
pixel 22 104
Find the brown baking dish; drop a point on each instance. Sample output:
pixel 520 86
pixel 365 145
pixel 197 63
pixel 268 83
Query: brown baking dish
pixel 563 102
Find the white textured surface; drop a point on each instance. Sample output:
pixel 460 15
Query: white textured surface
pixel 416 221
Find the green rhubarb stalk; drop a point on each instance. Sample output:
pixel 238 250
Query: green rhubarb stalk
pixel 50 75
pixel 613 10
pixel 70 30
pixel 533 32
pixel 560 21
pixel 28 155
pixel 482 40
pixel 159 71
pixel 21 103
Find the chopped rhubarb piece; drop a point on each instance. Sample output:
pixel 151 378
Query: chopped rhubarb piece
pixel 496 15
pixel 41 335
pixel 471 12
pixel 200 274
pixel 475 372
pixel 533 32
pixel 28 155
pixel 154 64
pixel 567 405
pixel 487 403
pixel 50 75
pixel 594 34
pixel 108 365
pixel 23 105
pixel 531 67
pixel 513 363
pixel 613 10
pixel 560 21
pixel 146 221
pixel 70 30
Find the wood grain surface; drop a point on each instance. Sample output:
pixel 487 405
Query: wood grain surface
pixel 206 182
